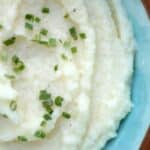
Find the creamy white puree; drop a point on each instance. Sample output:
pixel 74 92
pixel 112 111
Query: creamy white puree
pixel 94 81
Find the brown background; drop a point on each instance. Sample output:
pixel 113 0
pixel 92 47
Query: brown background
pixel 147 5
pixel 146 142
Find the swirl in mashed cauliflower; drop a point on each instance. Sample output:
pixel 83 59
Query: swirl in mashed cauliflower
pixel 65 72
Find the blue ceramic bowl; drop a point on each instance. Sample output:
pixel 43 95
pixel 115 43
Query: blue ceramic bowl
pixel 134 127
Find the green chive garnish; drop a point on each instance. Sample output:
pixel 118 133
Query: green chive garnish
pixel 47 117
pixel 18 65
pixel 45 43
pixel 66 15
pixel 10 76
pixel 73 33
pixel 32 18
pixel 66 115
pixel 82 35
pixel 43 123
pixel 44 31
pixel 1 26
pixel 48 106
pixel 37 19
pixel 40 134
pixel 45 10
pixel 60 40
pixel 74 50
pixel 58 101
pixel 22 138
pixel 28 26
pixel 52 42
pixel 63 56
pixel 55 67
pixel 44 95
pixel 29 17
pixel 10 41
pixel 4 115
pixel 13 105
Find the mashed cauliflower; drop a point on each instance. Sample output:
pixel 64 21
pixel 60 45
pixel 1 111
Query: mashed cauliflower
pixel 65 73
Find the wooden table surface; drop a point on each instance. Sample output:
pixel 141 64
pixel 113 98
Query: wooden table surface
pixel 146 142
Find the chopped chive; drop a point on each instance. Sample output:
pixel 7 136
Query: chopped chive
pixel 40 134
pixel 52 42
pixel 28 26
pixel 45 10
pixel 55 67
pixel 48 102
pixel 10 76
pixel 4 115
pixel 73 33
pixel 74 50
pixel 66 15
pixel 43 123
pixel 18 65
pixel 58 101
pixel 29 17
pixel 41 42
pixel 82 35
pixel 44 31
pixel 47 106
pixel 37 19
pixel 22 138
pixel 1 26
pixel 47 117
pixel 44 95
pixel 13 105
pixel 63 56
pixel 66 115
pixel 10 41
pixel 67 44
pixel 60 40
